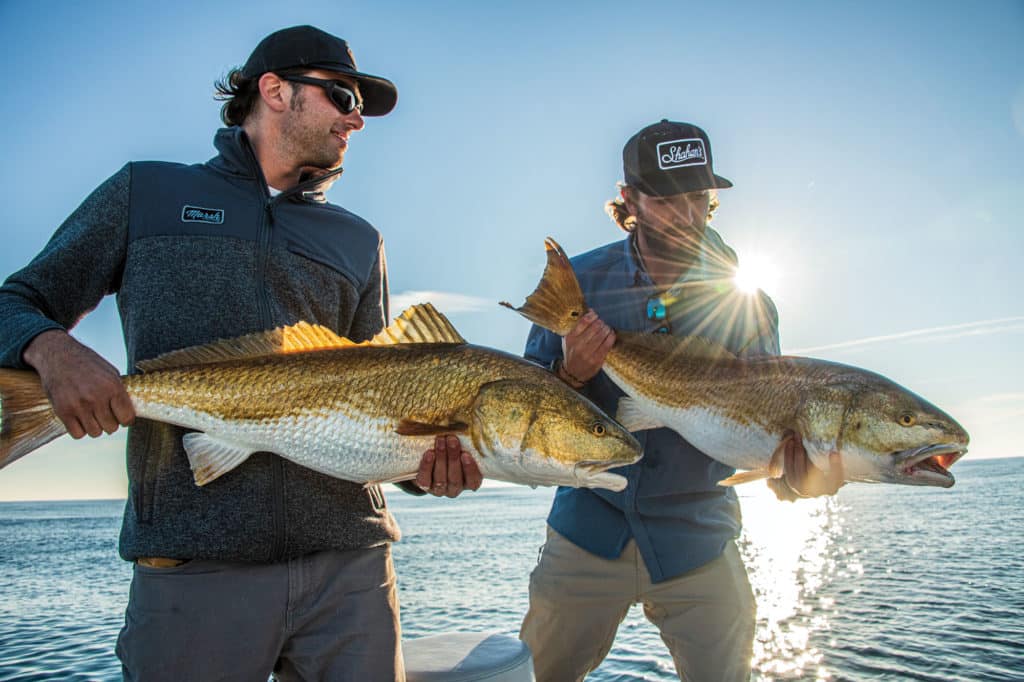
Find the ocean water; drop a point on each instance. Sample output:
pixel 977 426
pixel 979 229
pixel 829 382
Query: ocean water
pixel 880 582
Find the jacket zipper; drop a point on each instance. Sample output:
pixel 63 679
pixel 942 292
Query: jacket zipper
pixel 279 544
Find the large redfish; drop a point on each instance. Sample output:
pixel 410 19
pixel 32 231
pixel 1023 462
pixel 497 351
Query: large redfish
pixel 361 412
pixel 739 411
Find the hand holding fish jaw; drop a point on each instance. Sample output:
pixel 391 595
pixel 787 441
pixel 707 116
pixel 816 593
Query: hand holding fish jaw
pixel 801 478
pixel 585 348
pixel 446 470
pixel 85 390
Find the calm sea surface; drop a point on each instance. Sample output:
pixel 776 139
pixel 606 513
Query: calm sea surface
pixel 881 582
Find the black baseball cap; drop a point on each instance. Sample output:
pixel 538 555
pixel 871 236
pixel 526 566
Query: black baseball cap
pixel 310 47
pixel 670 158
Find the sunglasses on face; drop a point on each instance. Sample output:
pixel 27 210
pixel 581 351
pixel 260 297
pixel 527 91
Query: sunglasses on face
pixel 339 92
pixel 658 312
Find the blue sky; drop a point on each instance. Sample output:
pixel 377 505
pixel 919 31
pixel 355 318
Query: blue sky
pixel 876 150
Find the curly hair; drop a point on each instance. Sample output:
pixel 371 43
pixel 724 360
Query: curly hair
pixel 617 211
pixel 240 94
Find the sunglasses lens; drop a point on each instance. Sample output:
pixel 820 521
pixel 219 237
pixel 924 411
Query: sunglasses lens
pixel 345 99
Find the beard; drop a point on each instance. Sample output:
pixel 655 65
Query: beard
pixel 312 144
pixel 672 245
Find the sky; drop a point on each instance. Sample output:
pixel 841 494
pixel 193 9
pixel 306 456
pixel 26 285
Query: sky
pixel 877 151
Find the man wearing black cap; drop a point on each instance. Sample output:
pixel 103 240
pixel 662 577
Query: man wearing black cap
pixel 273 567
pixel 667 540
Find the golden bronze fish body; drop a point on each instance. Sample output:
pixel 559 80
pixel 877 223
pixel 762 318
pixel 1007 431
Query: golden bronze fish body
pixel 367 412
pixel 738 410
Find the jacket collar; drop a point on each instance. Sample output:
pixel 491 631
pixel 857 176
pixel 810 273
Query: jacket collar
pixel 236 157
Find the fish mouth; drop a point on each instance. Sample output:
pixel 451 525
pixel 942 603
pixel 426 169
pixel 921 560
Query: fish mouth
pixel 929 464
pixel 598 465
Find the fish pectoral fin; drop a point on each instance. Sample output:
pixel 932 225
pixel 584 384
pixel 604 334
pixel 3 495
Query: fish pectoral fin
pixel 411 427
pixel 212 457
pixel 633 418
pixel 745 477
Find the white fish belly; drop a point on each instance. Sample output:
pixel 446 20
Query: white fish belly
pixel 741 446
pixel 358 448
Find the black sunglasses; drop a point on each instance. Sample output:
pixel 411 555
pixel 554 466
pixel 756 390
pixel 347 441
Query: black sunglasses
pixel 337 91
pixel 657 311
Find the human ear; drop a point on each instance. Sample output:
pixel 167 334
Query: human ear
pixel 274 92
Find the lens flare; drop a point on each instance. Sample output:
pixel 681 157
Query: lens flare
pixel 756 272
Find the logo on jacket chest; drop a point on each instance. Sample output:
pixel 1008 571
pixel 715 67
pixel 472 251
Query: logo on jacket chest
pixel 198 214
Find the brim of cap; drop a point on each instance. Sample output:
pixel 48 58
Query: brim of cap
pixel 721 183
pixel 379 94
pixel 669 187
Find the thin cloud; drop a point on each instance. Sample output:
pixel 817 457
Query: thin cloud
pixel 444 301
pixel 953 331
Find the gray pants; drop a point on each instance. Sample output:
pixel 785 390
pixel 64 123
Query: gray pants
pixel 577 600
pixel 327 616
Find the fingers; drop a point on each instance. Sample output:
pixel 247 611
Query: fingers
pixel 587 345
pixel 454 483
pixel 836 477
pixel 425 474
pixel 447 470
pixel 807 480
pixel 124 411
pixel 781 489
pixel 471 472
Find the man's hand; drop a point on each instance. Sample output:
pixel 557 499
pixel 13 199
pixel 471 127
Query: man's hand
pixel 447 470
pixel 801 478
pixel 85 390
pixel 585 348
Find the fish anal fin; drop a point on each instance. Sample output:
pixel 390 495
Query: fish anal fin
pixel 211 458
pixel 411 427
pixel 406 476
pixel 745 477
pixel 633 418
pixel 296 338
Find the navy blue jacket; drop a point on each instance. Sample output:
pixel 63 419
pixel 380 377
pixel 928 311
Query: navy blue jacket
pixel 193 254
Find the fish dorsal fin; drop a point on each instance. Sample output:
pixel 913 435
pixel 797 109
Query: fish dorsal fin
pixel 295 338
pixel 420 323
pixel 691 346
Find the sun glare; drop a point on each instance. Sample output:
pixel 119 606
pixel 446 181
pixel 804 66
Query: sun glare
pixel 757 272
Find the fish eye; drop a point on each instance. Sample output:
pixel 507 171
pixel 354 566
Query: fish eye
pixel 906 419
pixel 574 314
pixel 598 429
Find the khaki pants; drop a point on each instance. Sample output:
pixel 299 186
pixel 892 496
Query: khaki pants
pixel 577 600
pixel 332 615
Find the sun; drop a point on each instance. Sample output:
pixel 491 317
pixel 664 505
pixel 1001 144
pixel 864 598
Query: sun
pixel 756 272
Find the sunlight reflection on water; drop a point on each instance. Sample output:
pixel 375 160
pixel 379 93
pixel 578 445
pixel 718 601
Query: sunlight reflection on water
pixel 788 550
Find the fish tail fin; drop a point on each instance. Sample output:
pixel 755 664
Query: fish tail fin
pixel 27 421
pixel 557 303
